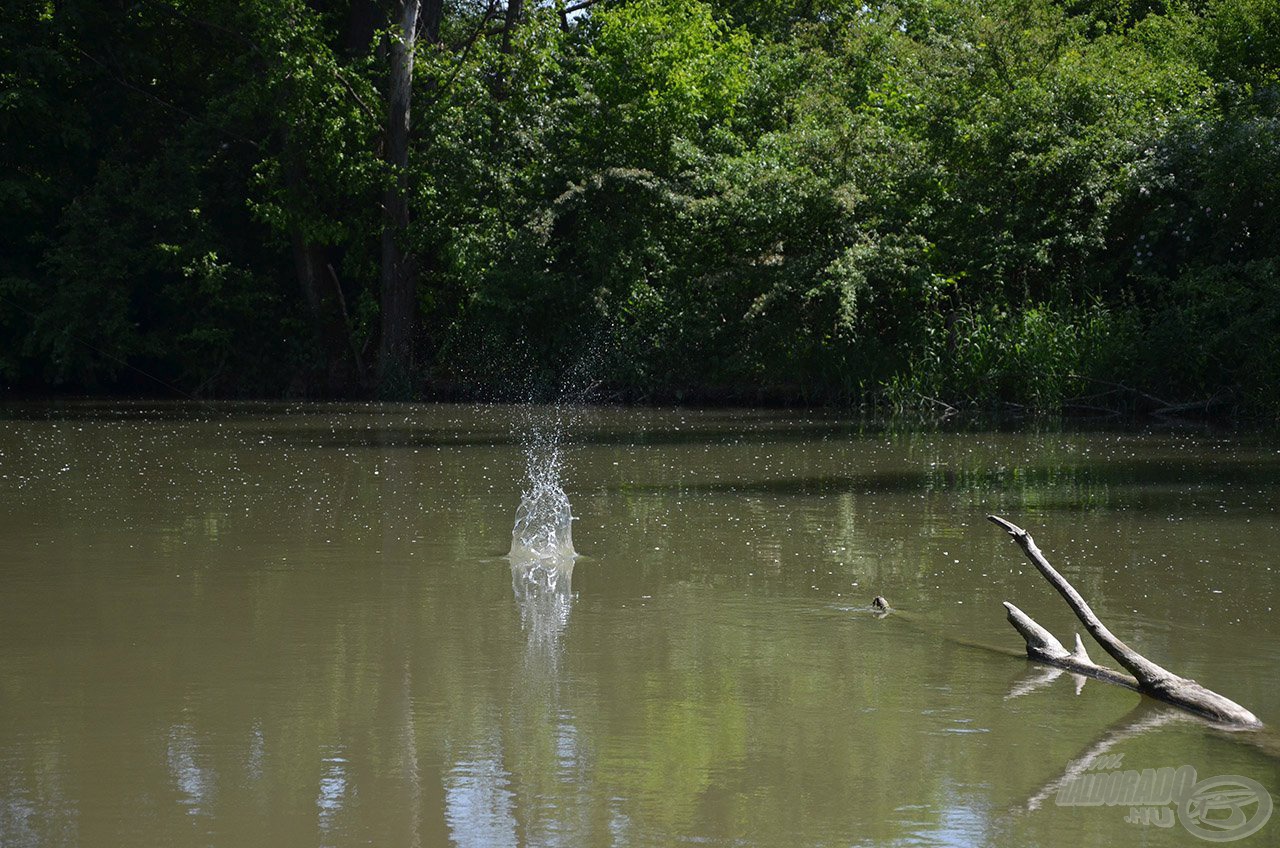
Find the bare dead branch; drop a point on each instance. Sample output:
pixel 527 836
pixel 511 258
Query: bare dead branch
pixel 1148 677
pixel 355 95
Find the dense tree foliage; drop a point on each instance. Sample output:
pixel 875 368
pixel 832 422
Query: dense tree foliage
pixel 1033 202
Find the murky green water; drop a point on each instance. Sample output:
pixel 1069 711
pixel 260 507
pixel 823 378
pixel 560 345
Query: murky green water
pixel 294 627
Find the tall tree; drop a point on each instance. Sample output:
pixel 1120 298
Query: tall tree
pixel 395 362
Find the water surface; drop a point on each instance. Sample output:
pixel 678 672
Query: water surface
pixel 269 625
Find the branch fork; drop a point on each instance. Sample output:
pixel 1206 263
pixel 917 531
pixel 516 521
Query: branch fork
pixel 1144 675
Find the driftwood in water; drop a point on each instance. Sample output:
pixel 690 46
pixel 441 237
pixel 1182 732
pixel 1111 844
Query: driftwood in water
pixel 1147 677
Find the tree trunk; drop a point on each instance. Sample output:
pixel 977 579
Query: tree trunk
pixel 362 22
pixel 432 14
pixel 514 8
pixel 323 298
pixel 399 298
pixel 1148 678
pixel 328 321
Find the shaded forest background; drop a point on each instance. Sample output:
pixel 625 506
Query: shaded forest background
pixel 933 203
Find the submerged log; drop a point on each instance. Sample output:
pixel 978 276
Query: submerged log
pixel 1147 677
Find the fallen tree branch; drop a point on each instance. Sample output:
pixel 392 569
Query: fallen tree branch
pixel 1137 393
pixel 1148 677
pixel 1044 647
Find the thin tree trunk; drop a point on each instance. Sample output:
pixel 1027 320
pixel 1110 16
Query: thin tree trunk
pixel 362 23
pixel 324 308
pixel 398 280
pixel 514 8
pixel 432 14
pixel 327 315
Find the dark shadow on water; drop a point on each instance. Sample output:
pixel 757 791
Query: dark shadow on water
pixel 382 437
pixel 1193 484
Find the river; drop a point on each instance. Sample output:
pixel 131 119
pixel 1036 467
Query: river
pixel 296 625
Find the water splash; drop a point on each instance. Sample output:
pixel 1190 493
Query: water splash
pixel 542 553
pixel 544 521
